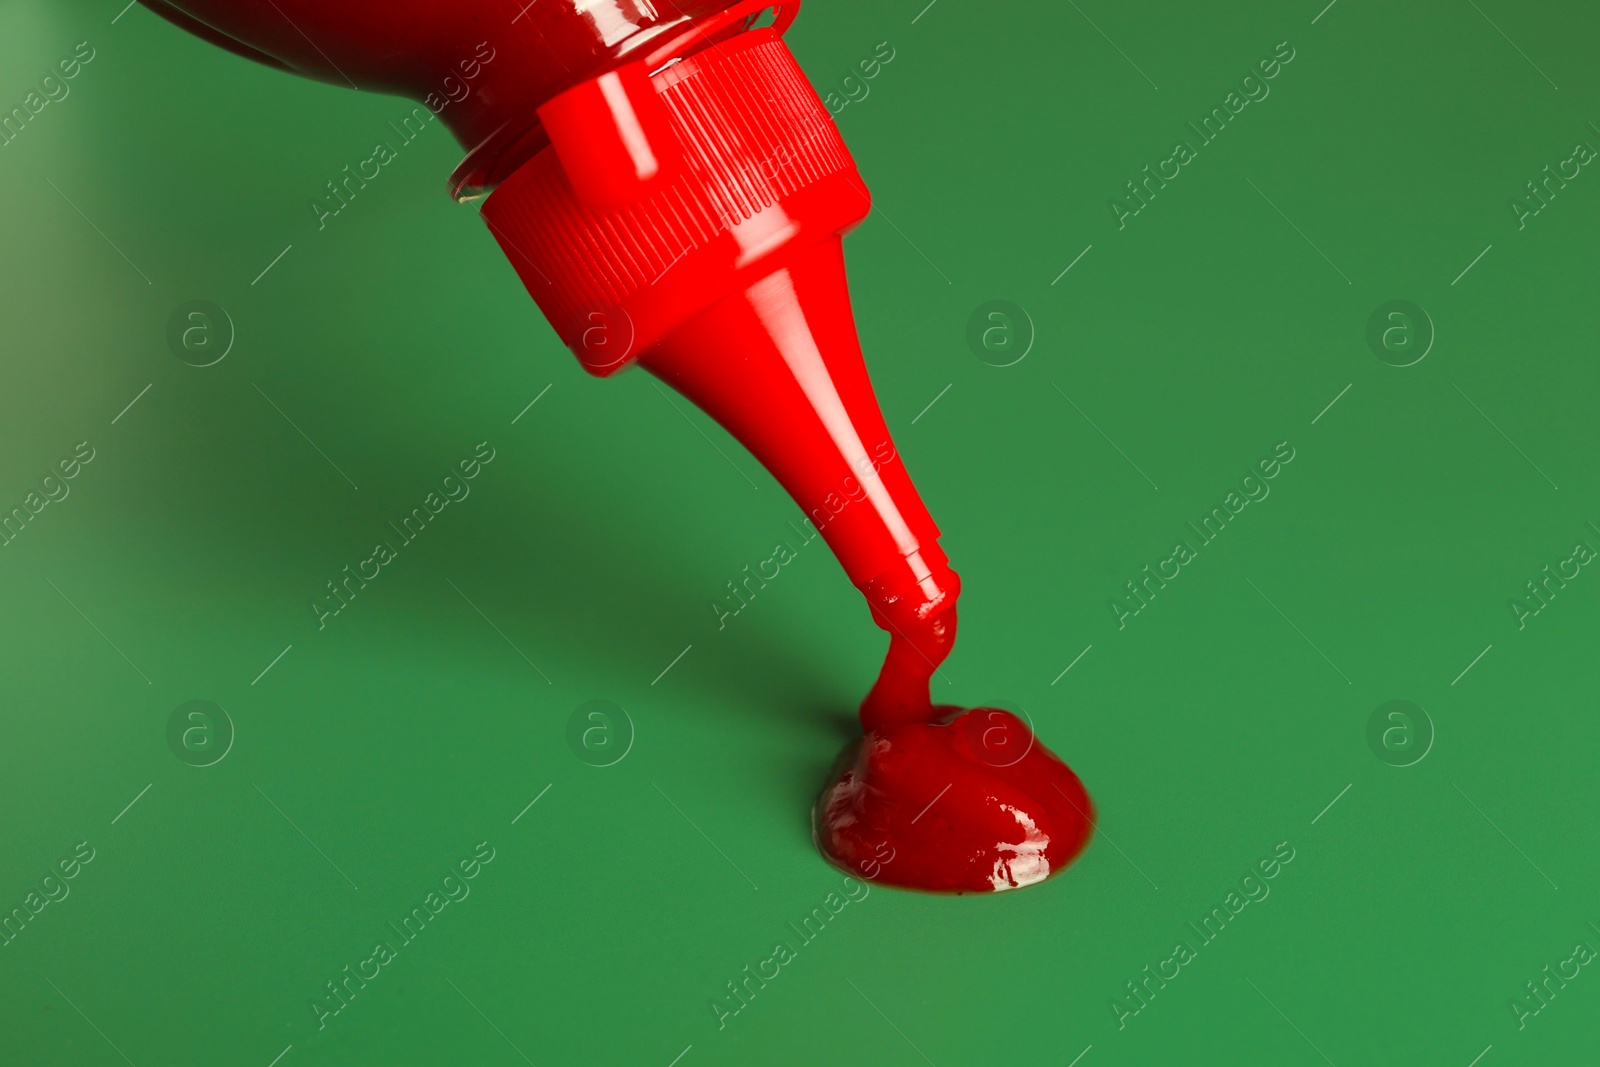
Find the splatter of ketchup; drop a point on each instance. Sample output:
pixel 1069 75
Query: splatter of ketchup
pixel 673 193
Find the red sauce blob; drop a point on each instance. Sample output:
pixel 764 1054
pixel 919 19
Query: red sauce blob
pixel 944 799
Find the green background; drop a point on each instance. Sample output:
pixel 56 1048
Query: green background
pixel 1222 720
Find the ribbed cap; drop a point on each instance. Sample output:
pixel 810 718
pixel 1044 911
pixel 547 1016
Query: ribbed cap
pixel 757 166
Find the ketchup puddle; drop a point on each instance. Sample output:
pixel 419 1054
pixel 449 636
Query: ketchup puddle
pixel 946 799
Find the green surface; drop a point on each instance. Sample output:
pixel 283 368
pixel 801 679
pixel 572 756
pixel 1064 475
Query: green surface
pixel 1221 721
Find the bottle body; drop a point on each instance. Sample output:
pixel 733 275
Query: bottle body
pixel 484 68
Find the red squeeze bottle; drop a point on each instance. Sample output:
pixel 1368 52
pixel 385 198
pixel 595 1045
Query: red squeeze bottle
pixel 672 192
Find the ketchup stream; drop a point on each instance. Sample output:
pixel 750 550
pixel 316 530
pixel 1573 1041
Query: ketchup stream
pixel 947 799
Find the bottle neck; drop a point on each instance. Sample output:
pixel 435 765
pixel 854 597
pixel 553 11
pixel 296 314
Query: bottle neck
pixel 778 364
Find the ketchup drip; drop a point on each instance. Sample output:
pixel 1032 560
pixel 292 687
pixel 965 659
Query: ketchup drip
pixel 900 695
pixel 673 193
pixel 947 799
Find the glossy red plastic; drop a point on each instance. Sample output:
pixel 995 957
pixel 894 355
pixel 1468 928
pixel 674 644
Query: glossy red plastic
pixel 673 193
pixel 484 67
pixel 613 137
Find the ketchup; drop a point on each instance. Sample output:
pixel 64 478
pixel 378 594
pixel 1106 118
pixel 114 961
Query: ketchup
pixel 673 193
